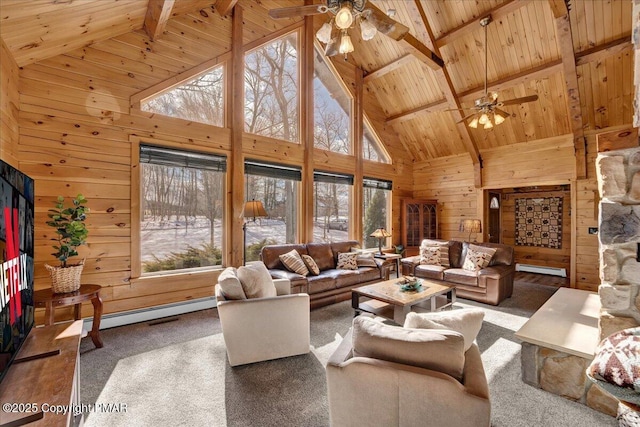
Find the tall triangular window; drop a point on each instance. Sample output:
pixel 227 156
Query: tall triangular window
pixel 372 148
pixel 332 109
pixel 200 99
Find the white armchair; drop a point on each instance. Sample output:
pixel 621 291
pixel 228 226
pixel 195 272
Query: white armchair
pixel 265 328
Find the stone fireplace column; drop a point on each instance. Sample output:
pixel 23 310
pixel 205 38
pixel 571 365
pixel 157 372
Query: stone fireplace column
pixel 619 234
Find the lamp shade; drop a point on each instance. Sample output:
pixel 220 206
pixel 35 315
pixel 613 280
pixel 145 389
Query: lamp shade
pixel 471 225
pixel 380 233
pixel 254 209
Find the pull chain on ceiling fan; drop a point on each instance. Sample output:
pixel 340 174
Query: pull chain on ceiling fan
pixel 486 108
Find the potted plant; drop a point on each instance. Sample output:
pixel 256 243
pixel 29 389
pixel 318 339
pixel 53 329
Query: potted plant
pixel 71 232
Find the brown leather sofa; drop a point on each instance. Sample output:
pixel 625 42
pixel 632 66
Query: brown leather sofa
pixel 331 285
pixel 490 285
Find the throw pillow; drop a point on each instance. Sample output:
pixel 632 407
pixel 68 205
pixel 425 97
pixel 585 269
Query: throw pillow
pixel 616 364
pixel 366 260
pixel 230 285
pixel 444 250
pixel 256 281
pixel 347 261
pixel 311 265
pixel 467 321
pixel 477 258
pixel 430 255
pixel 438 350
pixel 293 262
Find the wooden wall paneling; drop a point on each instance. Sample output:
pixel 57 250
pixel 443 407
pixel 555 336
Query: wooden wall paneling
pixel 9 106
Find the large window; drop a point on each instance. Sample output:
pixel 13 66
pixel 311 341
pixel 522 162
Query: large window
pixel 276 186
pixel 332 110
pixel 271 89
pixel 376 209
pixel 331 210
pixel 182 203
pixel 200 99
pixel 372 148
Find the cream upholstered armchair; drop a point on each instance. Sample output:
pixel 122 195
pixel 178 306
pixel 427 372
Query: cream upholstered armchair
pixel 385 375
pixel 260 319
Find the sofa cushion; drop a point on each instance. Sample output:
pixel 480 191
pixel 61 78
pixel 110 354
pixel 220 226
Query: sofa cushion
pixel 322 255
pixel 366 260
pixel 326 281
pixel 270 254
pixel 368 274
pixel 311 264
pixel 438 350
pixel 467 321
pixel 461 276
pixel 430 255
pixel 230 285
pixel 293 262
pixel 427 271
pixel 256 281
pixel 347 261
pixel 477 258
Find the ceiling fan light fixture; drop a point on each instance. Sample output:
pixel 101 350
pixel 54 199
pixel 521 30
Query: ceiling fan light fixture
pixel 483 119
pixel 344 17
pixel 367 29
pixel 498 118
pixel 474 123
pixel 488 125
pixel 345 43
pixel 324 33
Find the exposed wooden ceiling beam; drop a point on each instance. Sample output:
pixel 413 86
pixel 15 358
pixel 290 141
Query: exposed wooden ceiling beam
pixel 496 13
pixel 432 107
pixel 224 7
pixel 158 13
pixel 415 46
pixel 565 44
pixel 446 85
pixel 386 69
pixel 600 52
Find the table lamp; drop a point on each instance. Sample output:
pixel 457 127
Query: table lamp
pixel 252 209
pixel 380 233
pixel 470 226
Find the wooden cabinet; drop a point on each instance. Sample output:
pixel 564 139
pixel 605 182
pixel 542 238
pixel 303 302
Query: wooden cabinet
pixel 419 221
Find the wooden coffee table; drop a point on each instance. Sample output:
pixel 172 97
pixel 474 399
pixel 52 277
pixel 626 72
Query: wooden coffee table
pixel 386 299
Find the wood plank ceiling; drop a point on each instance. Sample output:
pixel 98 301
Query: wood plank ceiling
pixel 532 49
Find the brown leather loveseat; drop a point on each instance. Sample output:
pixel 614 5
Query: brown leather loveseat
pixel 490 285
pixel 331 285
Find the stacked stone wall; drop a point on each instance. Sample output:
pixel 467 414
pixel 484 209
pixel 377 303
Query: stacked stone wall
pixel 619 234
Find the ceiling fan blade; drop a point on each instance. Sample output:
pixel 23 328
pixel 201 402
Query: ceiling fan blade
pixel 331 49
pixel 502 112
pixel 460 109
pixel 522 100
pixel 465 118
pixel 294 11
pixel 384 24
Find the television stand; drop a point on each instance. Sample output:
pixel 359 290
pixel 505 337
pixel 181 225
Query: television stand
pixel 44 380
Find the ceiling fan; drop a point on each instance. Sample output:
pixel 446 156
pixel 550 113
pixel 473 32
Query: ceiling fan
pixel 344 14
pixel 486 109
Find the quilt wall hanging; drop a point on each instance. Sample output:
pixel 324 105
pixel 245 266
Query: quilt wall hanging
pixel 539 222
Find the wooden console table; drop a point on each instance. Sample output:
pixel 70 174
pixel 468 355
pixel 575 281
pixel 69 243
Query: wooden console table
pixel 35 388
pixel 45 298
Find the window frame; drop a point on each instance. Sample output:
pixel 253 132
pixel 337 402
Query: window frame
pixel 382 184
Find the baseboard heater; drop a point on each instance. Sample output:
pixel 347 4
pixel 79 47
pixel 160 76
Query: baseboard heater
pixel 152 313
pixel 552 271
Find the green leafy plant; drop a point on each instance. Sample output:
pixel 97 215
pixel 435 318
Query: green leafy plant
pixel 69 226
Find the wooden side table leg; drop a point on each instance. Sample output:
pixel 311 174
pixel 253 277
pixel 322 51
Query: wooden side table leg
pixel 77 311
pixel 48 313
pixel 97 314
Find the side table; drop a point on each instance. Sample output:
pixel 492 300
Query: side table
pixel 390 258
pixel 45 298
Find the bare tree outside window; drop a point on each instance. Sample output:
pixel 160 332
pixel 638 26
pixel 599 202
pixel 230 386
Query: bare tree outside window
pixel 200 100
pixel 271 89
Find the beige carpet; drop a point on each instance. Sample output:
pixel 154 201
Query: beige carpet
pixel 176 374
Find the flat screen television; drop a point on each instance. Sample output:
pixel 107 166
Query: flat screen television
pixel 16 259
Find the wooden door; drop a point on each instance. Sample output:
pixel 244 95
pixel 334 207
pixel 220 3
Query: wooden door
pixel 493 229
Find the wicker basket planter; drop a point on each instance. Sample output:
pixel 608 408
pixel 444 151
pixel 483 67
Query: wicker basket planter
pixel 65 279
